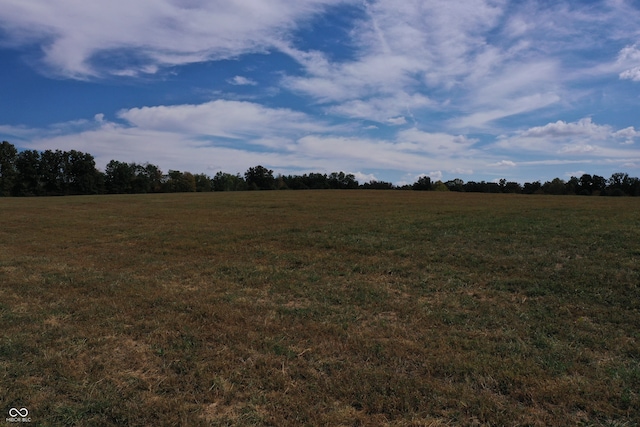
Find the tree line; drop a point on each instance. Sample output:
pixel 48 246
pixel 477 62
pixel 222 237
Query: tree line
pixel 58 173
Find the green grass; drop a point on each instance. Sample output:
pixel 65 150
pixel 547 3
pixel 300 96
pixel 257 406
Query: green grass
pixel 321 308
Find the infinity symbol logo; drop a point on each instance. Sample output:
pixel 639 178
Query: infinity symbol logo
pixel 22 412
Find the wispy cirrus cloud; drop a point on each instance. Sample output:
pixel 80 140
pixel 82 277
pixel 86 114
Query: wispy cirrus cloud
pixel 478 60
pixel 83 39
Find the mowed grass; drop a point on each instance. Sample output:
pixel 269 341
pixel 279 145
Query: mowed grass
pixel 328 308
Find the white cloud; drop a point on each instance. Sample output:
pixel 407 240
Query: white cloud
pixel 578 149
pixel 583 127
pixel 582 138
pixel 77 34
pixel 364 177
pixel 435 175
pixel 629 58
pixel 222 118
pixel 504 163
pixel 397 121
pixel 223 134
pixel 403 50
pixel 389 109
pixel 437 144
pixel 242 81
pixel 436 55
pixel 193 137
pixel 631 74
pixel 628 134
pixel 509 107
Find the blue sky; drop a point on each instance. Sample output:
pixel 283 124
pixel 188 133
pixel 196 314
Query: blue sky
pixel 387 90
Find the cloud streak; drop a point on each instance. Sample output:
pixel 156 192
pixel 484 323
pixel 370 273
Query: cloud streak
pixel 85 39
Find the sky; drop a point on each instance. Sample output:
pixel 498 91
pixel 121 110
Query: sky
pixel 389 90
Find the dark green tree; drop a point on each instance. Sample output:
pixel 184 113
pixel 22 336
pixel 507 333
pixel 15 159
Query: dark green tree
pixel 584 185
pixel 52 165
pixel 180 182
pixel 556 186
pixel 455 184
pixel 81 174
pixel 422 184
pixel 226 182
pixel 281 184
pixel 259 178
pixel 572 186
pixel 512 187
pixel 203 183
pixel 599 184
pixel 377 185
pixel 342 181
pixel 8 173
pixel 119 177
pixel 316 181
pixel 146 178
pixel 28 182
pixel 618 180
pixel 294 182
pixel 532 187
pixel 154 176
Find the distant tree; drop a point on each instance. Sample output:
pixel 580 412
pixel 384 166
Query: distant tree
pixel 154 177
pixel 281 184
pixel 377 185
pixel 440 186
pixel 180 182
pixel 28 180
pixel 52 172
pixel 618 180
pixel 8 156
pixel 584 186
pixel 634 187
pixel 422 184
pixel 294 182
pixel 556 186
pixel 226 182
pixel 532 187
pixel 512 187
pixel 572 186
pixel 484 187
pixel 455 185
pixel 203 183
pixel 342 181
pixel 475 187
pixel 316 181
pixel 599 184
pixel 119 177
pixel 140 182
pixel 81 174
pixel 259 178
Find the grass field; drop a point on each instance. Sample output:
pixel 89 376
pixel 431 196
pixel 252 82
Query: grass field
pixel 328 308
